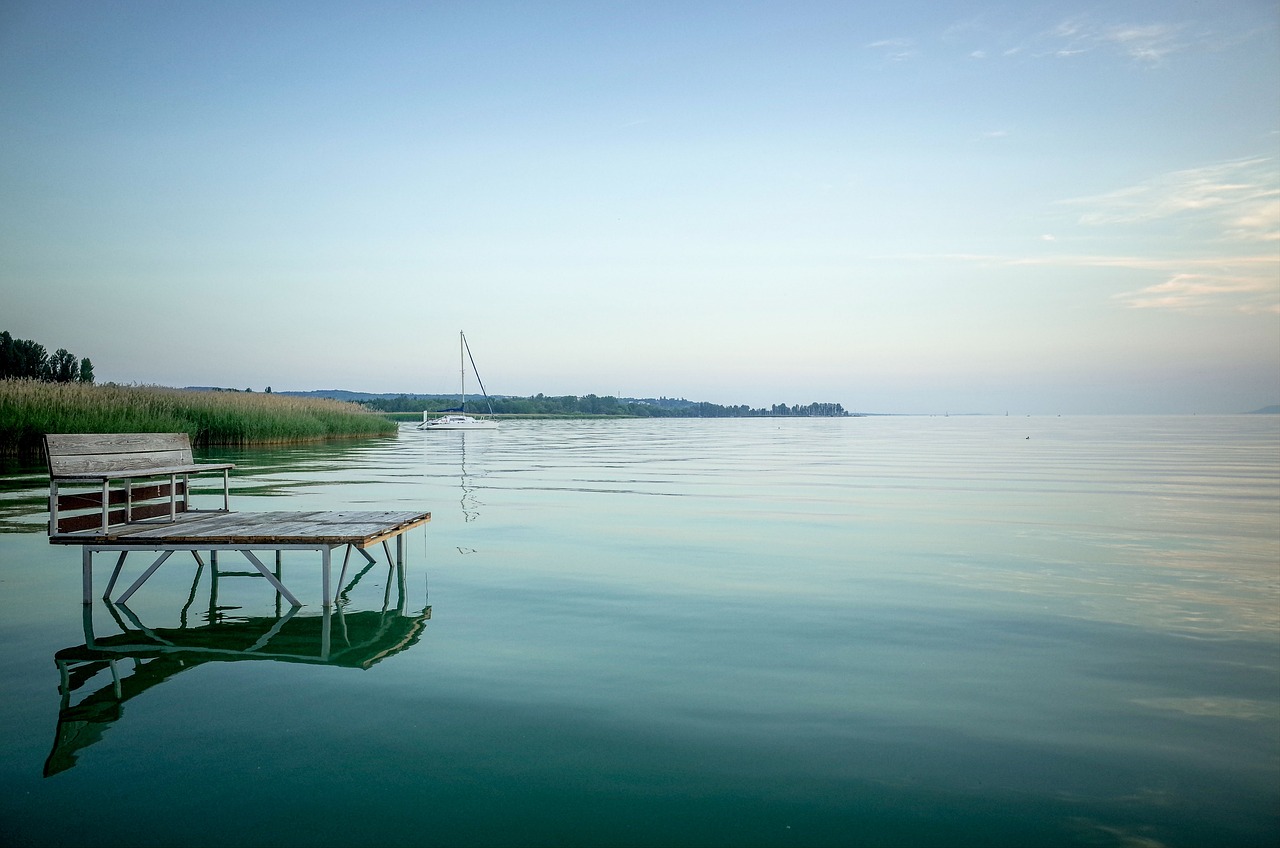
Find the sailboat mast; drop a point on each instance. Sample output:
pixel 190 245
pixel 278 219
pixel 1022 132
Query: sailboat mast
pixel 467 349
pixel 462 370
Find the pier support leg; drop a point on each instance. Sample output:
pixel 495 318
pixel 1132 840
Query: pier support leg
pixel 326 561
pixel 146 575
pixel 115 575
pixel 271 578
pixel 86 576
pixel 326 628
pixel 342 575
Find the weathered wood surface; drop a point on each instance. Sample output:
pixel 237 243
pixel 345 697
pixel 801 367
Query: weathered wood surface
pixel 89 443
pixel 93 500
pixel 115 471
pixel 193 529
pixel 137 512
pixel 114 456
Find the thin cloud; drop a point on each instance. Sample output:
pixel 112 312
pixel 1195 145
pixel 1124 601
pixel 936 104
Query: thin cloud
pixel 1146 43
pixel 1150 44
pixel 1260 222
pixel 1069 28
pixel 1245 284
pixel 1204 291
pixel 1252 266
pixel 1231 201
pixel 896 49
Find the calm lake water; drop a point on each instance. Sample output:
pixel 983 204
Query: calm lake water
pixel 873 631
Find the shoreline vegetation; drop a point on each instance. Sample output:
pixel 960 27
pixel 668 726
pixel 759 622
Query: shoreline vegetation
pixel 586 406
pixel 31 408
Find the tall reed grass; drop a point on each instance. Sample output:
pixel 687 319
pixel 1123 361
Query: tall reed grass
pixel 29 409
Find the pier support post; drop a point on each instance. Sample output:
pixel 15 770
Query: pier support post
pixel 326 560
pixel 115 575
pixel 86 576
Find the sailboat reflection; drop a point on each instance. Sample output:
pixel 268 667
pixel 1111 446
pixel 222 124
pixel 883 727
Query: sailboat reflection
pixel 470 502
pixel 141 657
pixel 445 458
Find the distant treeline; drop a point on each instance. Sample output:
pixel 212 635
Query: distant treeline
pixel 595 405
pixel 21 359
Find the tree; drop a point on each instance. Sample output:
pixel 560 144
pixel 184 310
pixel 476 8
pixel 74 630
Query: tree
pixel 23 359
pixel 64 367
pixel 8 362
pixel 33 361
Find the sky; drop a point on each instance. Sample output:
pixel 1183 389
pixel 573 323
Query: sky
pixel 911 207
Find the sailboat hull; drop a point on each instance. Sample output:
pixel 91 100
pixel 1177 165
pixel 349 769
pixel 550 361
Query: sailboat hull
pixel 457 422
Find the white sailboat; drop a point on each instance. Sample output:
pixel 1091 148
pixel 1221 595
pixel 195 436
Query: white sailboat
pixel 462 421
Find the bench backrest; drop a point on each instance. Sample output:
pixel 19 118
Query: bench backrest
pixel 80 454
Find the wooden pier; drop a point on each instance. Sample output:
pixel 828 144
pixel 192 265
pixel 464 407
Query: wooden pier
pixel 119 515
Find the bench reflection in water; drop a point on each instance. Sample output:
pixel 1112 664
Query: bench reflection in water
pixel 124 665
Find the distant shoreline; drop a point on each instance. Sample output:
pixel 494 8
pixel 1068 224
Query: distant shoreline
pixel 435 402
pixel 570 406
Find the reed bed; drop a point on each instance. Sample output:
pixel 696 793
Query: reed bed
pixel 29 409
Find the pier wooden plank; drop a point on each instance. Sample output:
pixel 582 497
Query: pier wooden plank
pixel 360 528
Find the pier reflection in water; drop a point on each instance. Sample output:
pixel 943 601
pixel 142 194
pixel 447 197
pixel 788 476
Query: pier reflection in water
pixel 118 667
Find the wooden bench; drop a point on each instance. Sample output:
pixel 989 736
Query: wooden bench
pixel 141 501
pixel 119 459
